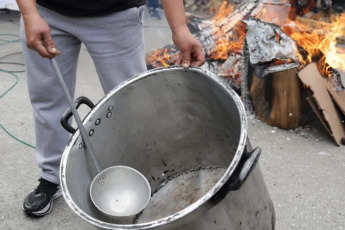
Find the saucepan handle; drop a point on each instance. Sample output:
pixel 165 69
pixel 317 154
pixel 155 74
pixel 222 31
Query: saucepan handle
pixel 68 113
pixel 244 168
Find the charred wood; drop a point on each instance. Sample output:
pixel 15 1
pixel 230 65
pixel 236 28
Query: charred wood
pixel 276 98
pixel 270 49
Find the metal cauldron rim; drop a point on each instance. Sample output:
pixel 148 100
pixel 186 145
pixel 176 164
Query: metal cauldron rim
pixel 190 208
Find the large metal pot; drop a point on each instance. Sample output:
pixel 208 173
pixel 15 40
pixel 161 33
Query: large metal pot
pixel 186 132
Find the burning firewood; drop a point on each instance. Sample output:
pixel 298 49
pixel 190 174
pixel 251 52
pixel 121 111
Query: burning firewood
pixel 226 63
pixel 273 81
pixel 261 60
pixel 270 49
pixel 274 86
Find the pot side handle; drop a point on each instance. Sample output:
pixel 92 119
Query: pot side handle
pixel 245 166
pixel 68 113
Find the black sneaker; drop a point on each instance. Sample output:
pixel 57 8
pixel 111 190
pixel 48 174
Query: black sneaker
pixel 40 201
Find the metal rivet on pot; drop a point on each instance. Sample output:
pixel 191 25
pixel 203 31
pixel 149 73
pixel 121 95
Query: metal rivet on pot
pixel 98 121
pixel 109 114
pixel 91 132
pixel 80 146
pixel 111 108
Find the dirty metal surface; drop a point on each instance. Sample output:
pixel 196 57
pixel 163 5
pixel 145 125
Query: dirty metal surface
pixel 178 193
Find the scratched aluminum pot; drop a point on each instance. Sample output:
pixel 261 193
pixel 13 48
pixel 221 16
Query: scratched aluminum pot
pixel 186 132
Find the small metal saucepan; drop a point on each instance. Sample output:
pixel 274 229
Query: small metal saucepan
pixel 117 191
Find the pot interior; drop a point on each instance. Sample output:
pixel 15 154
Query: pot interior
pixel 180 128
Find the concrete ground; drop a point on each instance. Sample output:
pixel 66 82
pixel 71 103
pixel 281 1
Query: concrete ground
pixel 303 168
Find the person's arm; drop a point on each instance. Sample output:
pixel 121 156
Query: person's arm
pixel 191 50
pixel 37 30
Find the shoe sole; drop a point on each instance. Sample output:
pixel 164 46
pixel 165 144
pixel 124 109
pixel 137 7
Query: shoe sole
pixel 47 208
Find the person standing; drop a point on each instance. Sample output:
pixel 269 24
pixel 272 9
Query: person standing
pixel 337 5
pixel 153 6
pixel 112 32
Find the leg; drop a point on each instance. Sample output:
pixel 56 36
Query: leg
pixel 116 47
pixel 48 103
pixel 48 100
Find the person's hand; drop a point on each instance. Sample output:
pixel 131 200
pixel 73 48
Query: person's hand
pixel 38 36
pixel 192 53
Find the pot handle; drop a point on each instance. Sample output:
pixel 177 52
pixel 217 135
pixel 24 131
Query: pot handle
pixel 245 166
pixel 68 113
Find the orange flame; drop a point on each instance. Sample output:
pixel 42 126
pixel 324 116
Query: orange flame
pixel 161 58
pixel 225 42
pixel 274 13
pixel 320 41
pixel 316 41
pixel 224 10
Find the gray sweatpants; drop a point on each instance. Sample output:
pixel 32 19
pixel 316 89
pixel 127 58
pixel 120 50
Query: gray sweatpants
pixel 116 44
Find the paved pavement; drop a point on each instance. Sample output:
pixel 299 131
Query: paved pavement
pixel 303 169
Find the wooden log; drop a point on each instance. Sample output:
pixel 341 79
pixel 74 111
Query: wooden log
pixel 276 99
pixel 258 96
pixel 285 106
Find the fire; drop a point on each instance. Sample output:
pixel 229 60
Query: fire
pixel 277 14
pixel 224 10
pixel 281 62
pixel 225 42
pixel 334 55
pixel 320 42
pixel 162 58
pixel 315 42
